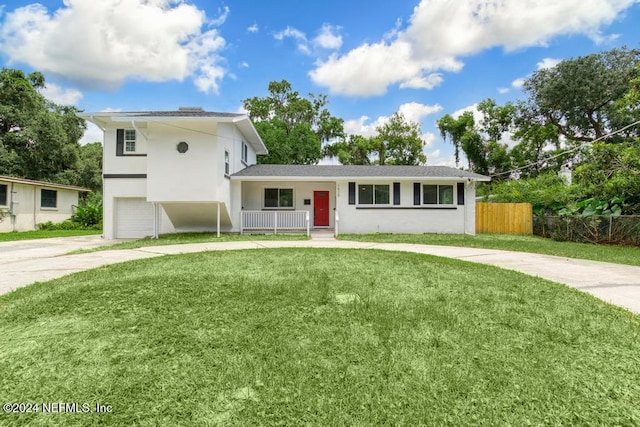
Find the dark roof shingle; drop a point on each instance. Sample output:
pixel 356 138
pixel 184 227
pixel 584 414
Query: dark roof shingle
pixel 343 171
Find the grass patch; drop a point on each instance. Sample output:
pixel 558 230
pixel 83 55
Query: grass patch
pixel 44 234
pixel 183 238
pixel 617 254
pixel 320 337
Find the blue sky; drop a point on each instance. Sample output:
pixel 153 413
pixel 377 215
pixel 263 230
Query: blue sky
pixel 372 58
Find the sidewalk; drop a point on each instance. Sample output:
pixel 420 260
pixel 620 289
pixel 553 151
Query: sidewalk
pixel 614 283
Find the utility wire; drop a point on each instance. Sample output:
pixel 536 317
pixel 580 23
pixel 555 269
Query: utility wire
pixel 584 144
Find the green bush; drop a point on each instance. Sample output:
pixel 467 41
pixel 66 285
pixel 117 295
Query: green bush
pixel 67 225
pixel 89 213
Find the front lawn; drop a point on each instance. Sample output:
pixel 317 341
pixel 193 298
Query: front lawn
pixel 317 337
pixel 44 234
pixel 617 254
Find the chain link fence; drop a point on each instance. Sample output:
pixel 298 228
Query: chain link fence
pixel 619 230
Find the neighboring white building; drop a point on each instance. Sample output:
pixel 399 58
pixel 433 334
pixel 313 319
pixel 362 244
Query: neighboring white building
pixel 25 203
pixel 192 170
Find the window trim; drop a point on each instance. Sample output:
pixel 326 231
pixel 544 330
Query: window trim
pixel 127 141
pixel 438 204
pixel 244 155
pixel 389 194
pixel 55 206
pixel 227 164
pixel 6 195
pixel 279 208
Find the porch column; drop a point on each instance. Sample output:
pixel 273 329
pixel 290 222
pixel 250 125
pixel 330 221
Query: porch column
pixel 218 221
pixel 155 220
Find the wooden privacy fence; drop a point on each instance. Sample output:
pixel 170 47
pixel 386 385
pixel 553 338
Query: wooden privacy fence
pixel 504 218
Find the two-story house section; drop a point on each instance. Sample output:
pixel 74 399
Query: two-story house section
pixel 169 171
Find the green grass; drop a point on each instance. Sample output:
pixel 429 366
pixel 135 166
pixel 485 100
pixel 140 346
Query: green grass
pixel 183 238
pixel 44 234
pixel 317 337
pixel 606 253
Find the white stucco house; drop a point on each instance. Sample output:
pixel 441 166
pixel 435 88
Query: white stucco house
pixel 193 170
pixel 25 203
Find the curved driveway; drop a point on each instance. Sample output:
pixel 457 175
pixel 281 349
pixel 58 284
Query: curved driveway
pixel 25 262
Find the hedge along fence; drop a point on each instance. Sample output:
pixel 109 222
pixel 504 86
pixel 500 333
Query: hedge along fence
pixel 620 230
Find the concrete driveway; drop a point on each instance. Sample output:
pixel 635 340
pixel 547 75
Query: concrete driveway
pixel 45 248
pixel 26 262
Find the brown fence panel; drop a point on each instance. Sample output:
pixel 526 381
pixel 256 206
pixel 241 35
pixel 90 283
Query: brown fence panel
pixel 504 218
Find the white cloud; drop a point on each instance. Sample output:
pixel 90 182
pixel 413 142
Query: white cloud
pixel 435 158
pixel 60 95
pixel 441 31
pixel 103 43
pixel 503 90
pixel 253 29
pixel 329 37
pixel 477 115
pixel 245 64
pixel 412 111
pixel 297 35
pixel 371 68
pixel 92 134
pixel 548 63
pixel 290 32
pixel 429 139
pixel 221 19
pixel 518 83
pixel 415 112
pixel 423 82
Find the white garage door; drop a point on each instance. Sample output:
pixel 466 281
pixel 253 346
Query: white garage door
pixel 134 218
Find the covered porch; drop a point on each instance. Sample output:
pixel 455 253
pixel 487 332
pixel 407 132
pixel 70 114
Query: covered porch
pixel 280 206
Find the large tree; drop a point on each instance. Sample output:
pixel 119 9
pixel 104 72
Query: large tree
pixel 38 139
pixel 579 96
pixel 397 142
pixel 481 142
pixel 292 127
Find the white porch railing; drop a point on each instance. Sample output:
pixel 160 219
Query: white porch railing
pixel 274 221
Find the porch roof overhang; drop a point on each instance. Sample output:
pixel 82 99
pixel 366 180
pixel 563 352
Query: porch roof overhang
pixel 334 173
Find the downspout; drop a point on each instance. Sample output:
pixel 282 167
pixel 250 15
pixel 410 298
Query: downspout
pixel 11 213
pixel 35 191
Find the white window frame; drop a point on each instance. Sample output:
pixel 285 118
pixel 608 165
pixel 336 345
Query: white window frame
pixel 227 165
pixel 245 153
pixel 128 140
pixel 390 194
pixel 453 194
pixel 293 199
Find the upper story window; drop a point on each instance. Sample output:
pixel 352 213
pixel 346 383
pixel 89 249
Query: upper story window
pixel 48 198
pixel 129 141
pixel 437 194
pixel 373 194
pixel 3 194
pixel 245 152
pixel 226 162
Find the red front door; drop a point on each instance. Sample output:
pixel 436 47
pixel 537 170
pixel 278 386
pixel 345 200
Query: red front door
pixel 321 208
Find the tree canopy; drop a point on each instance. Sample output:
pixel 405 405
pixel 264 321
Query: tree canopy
pixel 38 138
pixel 292 127
pixel 397 142
pixel 579 96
